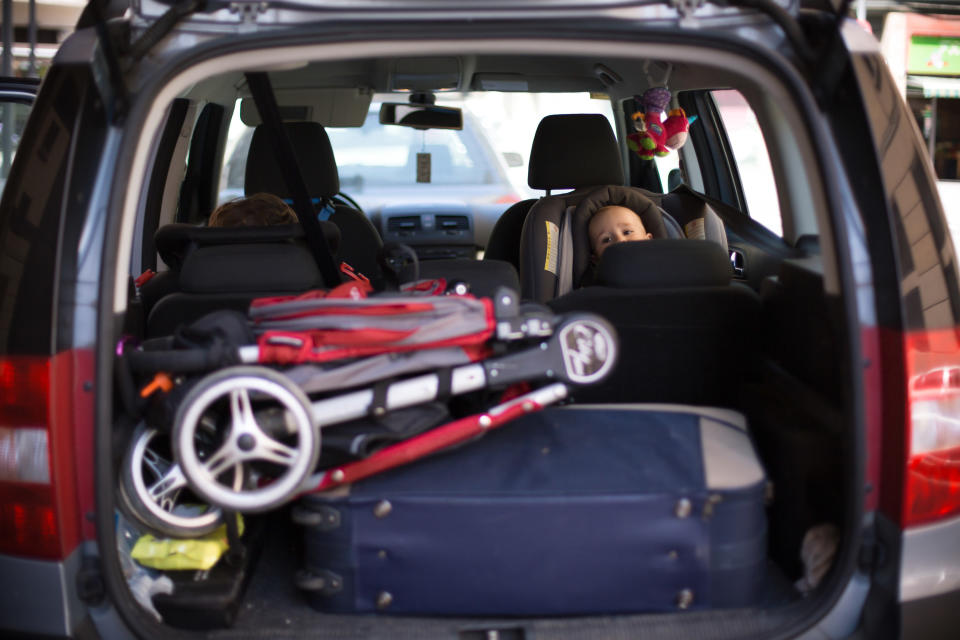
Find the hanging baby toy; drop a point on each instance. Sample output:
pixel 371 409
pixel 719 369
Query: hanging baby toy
pixel 654 135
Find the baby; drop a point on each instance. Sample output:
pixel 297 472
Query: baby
pixel 613 224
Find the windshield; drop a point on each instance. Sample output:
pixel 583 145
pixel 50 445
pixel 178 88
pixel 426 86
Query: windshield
pixel 380 155
pixel 485 162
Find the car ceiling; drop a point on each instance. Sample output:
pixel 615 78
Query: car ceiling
pixel 618 77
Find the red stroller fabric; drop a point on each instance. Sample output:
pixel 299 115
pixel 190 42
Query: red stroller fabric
pixel 346 322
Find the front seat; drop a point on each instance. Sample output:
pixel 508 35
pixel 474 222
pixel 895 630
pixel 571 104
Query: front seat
pixel 359 240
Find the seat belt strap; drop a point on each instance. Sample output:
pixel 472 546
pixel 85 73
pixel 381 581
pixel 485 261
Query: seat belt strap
pixel 266 103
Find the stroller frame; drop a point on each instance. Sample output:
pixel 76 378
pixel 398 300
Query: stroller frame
pixel 575 349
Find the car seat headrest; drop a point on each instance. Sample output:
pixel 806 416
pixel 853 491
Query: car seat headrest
pixel 314 156
pixel 664 264
pixel 175 241
pixel 250 268
pixel 574 150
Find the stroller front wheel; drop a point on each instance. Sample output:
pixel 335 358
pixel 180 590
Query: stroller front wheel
pixel 278 449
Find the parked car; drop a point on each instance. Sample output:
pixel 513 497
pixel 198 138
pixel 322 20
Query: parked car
pixel 831 339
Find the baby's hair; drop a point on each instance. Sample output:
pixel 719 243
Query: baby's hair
pixel 259 209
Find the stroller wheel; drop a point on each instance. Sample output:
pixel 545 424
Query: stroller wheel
pixel 154 491
pixel 230 399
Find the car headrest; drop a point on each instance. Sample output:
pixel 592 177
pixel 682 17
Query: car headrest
pixel 175 241
pixel 664 264
pixel 250 268
pixel 574 150
pixel 313 153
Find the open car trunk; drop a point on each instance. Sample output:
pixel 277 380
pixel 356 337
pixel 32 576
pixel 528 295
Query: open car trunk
pixel 785 366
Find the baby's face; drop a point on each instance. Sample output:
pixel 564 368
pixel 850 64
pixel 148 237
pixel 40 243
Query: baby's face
pixel 614 224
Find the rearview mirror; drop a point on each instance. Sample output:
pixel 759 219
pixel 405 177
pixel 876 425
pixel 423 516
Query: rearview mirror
pixel 421 116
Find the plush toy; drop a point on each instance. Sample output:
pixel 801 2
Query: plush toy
pixel 656 136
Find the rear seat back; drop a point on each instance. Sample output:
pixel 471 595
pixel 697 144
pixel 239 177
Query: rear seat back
pixel 687 334
pixel 225 268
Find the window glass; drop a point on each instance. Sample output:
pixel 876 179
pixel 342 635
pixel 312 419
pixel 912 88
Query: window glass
pixel 753 161
pixel 485 163
pixel 939 121
pixel 13 118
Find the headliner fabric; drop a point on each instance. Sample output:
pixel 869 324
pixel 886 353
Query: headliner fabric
pixel 314 156
pixel 664 264
pixel 574 150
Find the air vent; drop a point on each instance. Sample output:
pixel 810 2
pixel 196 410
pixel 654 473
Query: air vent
pixel 397 224
pixel 446 223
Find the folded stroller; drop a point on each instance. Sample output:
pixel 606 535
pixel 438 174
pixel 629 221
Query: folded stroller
pixel 248 417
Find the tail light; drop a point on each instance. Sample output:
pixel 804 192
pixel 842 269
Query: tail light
pixel 30 522
pixel 932 482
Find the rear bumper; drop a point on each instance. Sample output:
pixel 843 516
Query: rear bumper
pixel 930 581
pixel 932 617
pixel 930 561
pixel 40 596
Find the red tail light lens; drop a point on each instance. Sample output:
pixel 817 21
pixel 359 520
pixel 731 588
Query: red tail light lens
pixel 932 483
pixel 28 515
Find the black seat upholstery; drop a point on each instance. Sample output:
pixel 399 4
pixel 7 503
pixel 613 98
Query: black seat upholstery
pixel 687 334
pixel 225 268
pixel 360 241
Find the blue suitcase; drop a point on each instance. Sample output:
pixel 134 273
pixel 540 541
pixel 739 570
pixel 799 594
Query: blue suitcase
pixel 572 510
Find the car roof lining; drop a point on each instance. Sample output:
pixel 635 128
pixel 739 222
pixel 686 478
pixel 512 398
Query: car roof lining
pixel 360 64
pixel 530 73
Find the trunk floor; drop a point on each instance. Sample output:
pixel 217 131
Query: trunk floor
pixel 274 608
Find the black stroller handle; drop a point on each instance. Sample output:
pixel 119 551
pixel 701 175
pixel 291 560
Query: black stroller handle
pixel 180 360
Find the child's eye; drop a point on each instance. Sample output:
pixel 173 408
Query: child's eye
pixel 627 232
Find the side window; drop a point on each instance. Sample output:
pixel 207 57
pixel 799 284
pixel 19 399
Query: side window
pixel 753 160
pixel 30 221
pixel 14 109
